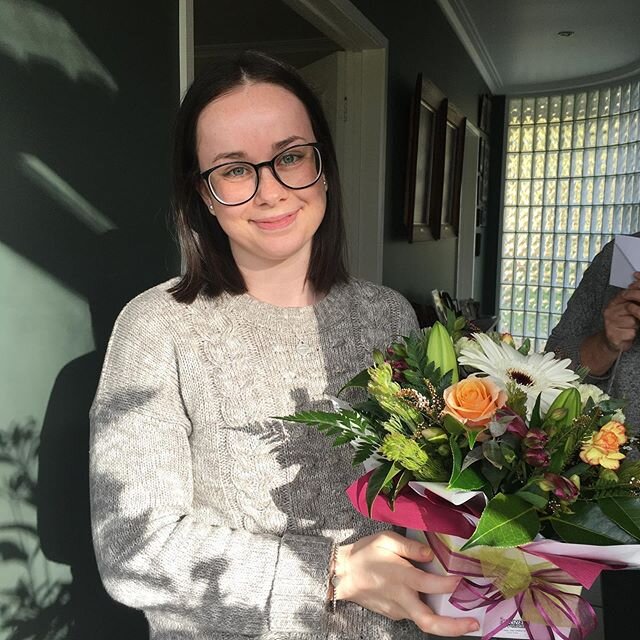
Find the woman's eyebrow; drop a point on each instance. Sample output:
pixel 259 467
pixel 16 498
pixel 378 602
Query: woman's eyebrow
pixel 241 155
pixel 231 155
pixel 283 144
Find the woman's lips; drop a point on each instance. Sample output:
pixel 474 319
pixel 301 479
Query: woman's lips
pixel 277 222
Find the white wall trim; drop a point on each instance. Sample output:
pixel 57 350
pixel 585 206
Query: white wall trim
pixel 185 44
pixel 575 84
pixel 366 69
pixel 342 22
pixel 465 28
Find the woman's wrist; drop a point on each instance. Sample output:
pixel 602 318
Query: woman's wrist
pixel 598 354
pixel 337 573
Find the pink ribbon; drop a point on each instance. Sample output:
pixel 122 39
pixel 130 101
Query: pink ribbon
pixel 541 599
pixel 432 514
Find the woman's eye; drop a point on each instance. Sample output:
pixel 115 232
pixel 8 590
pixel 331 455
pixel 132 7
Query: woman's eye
pixel 289 158
pixel 237 171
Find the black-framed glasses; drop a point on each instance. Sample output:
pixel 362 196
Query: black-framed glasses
pixel 234 183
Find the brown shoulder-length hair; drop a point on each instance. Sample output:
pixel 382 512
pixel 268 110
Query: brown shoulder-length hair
pixel 206 255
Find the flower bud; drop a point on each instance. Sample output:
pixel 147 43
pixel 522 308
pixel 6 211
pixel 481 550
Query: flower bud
pixel 536 458
pixel 563 488
pixel 535 439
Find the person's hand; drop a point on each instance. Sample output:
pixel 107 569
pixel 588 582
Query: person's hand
pixel 622 317
pixel 375 573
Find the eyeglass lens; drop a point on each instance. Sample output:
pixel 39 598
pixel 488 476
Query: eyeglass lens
pixel 236 182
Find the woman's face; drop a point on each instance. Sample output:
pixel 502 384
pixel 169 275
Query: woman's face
pixel 253 123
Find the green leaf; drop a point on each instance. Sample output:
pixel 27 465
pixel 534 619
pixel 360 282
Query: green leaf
pixel 453 426
pixel 360 381
pixel 465 479
pixel 588 525
pixel 625 512
pixel 536 420
pixel 379 479
pixel 534 495
pixel 524 347
pixel 493 475
pixel 472 437
pixel 493 453
pixel 506 521
pixel 404 479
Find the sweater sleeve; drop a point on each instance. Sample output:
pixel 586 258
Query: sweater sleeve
pixel 583 315
pixel 153 552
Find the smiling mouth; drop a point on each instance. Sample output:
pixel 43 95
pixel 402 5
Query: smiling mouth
pixel 278 222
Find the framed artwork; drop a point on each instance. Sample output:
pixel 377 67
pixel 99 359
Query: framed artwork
pixel 434 166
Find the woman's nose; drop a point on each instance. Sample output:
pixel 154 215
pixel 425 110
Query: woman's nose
pixel 270 189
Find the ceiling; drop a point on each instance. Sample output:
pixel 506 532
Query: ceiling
pixel 516 46
pixel 514 43
pixel 271 27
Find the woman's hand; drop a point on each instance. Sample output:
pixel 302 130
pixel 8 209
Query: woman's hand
pixel 621 320
pixel 621 317
pixel 375 573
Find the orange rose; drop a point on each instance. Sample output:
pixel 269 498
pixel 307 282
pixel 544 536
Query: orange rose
pixel 474 401
pixel 602 447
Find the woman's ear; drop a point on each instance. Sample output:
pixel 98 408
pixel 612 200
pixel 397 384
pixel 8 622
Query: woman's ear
pixel 205 194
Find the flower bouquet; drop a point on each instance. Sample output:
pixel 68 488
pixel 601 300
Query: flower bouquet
pixel 515 473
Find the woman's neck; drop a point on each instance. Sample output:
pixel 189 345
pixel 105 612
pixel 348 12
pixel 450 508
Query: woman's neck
pixel 283 284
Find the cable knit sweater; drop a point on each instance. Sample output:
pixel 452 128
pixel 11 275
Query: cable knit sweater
pixel 210 515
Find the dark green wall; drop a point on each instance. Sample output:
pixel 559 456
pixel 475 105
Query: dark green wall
pixel 420 40
pixel 89 92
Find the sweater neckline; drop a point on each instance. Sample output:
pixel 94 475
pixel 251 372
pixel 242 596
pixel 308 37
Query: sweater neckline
pixel 326 313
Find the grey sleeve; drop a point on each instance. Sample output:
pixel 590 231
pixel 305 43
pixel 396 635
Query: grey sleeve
pixel 583 315
pixel 152 551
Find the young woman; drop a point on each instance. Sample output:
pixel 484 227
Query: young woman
pixel 215 518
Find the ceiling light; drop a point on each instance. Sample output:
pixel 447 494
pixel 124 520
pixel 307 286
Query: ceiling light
pixel 566 34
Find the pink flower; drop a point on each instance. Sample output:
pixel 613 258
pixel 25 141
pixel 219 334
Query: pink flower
pixel 536 457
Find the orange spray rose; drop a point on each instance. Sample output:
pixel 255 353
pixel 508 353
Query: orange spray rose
pixel 474 401
pixel 603 447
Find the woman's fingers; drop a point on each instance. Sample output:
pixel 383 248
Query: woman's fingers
pixel 401 546
pixel 429 622
pixel 425 582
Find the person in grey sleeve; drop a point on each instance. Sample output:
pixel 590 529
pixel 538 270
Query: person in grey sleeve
pixel 215 518
pixel 599 330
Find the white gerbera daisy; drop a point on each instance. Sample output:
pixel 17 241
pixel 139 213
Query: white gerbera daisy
pixel 535 373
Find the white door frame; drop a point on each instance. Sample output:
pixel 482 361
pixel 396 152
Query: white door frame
pixel 366 114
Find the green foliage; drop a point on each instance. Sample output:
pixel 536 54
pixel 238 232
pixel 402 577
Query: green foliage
pixel 441 353
pixel 517 399
pixel 380 480
pixel 588 524
pixel 385 391
pixel 346 426
pixel 467 479
pixel 403 450
pixel 625 512
pixel 507 521
pixel 525 347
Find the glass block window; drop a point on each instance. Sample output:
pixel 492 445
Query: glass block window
pixel 572 180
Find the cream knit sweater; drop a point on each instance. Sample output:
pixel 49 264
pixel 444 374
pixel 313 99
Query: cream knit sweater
pixel 211 516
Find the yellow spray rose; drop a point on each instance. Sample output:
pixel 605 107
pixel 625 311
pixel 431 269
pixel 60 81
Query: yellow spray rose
pixel 603 447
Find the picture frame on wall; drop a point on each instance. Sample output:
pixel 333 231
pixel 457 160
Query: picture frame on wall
pixel 434 166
